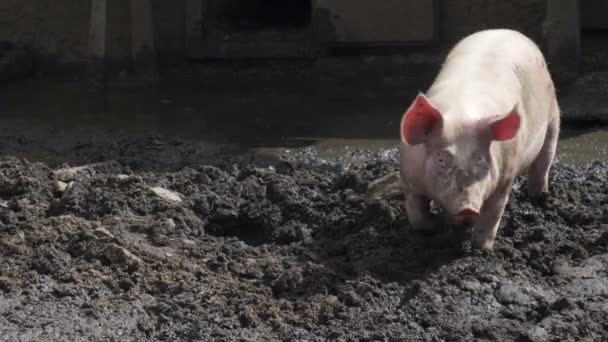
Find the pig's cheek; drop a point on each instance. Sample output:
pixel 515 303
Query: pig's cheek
pixel 444 185
pixel 449 184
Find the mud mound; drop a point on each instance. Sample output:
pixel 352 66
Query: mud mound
pixel 287 249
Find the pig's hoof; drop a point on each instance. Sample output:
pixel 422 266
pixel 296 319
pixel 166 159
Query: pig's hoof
pixel 537 188
pixel 485 245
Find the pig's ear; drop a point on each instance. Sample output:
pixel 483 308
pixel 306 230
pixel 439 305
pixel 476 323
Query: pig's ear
pixel 506 127
pixel 419 120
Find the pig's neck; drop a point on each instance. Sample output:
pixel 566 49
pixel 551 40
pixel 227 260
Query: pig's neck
pixel 472 102
pixel 470 89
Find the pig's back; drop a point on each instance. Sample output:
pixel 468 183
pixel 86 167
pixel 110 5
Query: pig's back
pixel 498 64
pixel 498 44
pixel 489 54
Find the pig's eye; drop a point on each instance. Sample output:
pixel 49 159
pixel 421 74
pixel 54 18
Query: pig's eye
pixel 443 159
pixel 480 164
pixel 480 159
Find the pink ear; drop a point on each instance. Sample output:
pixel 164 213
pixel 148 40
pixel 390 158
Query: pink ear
pixel 506 128
pixel 419 120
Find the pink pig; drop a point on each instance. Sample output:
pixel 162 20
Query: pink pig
pixel 490 115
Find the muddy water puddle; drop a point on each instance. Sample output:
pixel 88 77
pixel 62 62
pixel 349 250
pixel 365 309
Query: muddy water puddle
pixel 577 146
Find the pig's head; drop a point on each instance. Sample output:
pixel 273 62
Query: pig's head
pixel 459 169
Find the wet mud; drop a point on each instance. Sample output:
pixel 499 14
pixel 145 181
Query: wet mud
pixel 155 244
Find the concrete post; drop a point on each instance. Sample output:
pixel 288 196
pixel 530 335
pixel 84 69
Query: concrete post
pixel 96 71
pixel 143 47
pixel 562 39
pixel 194 32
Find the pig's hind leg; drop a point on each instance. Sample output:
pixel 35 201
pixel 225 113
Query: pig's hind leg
pixel 538 174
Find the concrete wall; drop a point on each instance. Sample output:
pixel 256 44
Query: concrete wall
pixel 459 18
pixel 59 28
pixel 365 22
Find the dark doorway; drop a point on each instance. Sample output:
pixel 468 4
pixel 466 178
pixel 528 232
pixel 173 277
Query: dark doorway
pixel 594 35
pixel 255 15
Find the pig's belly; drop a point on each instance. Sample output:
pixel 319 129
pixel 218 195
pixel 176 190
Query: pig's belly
pixel 531 150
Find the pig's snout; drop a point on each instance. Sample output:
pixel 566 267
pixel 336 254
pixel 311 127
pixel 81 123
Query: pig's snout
pixel 467 216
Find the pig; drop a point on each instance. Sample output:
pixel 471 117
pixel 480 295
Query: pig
pixel 490 115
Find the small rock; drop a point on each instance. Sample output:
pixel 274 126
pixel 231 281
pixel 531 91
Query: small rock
pixel 166 194
pixel 67 174
pixel 120 255
pixel 170 223
pixel 560 267
pixel 249 261
pixel 102 232
pixel 473 286
pixel 511 294
pixel 60 187
pixel 122 177
pixel 331 300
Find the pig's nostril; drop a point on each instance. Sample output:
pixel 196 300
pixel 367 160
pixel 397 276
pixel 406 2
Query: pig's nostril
pixel 470 213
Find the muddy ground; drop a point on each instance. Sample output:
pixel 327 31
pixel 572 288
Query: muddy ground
pixel 283 248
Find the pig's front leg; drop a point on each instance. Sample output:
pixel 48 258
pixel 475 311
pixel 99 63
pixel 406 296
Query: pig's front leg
pixel 486 227
pixel 418 212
